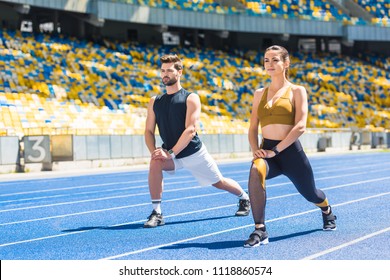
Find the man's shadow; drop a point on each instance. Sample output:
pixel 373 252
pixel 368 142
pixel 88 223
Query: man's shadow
pixel 219 245
pixel 132 226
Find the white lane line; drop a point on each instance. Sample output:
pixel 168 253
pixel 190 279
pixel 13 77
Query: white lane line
pixel 145 186
pixel 201 236
pixel 233 229
pixel 353 167
pixel 169 190
pixel 94 199
pixel 68 188
pixel 143 181
pixel 52 176
pixel 109 209
pixel 174 243
pixel 176 199
pixel 116 225
pixel 341 246
pixel 41 238
pixel 181 214
pixel 94 185
pixel 84 187
pixel 86 192
pixel 167 183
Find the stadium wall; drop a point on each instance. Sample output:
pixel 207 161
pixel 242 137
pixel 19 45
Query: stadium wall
pixel 58 152
pixel 96 19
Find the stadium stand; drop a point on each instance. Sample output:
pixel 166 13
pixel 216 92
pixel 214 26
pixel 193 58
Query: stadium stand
pixel 56 84
pixel 306 9
pixel 204 6
pixel 289 9
pixel 379 9
pixel 301 9
pixel 67 85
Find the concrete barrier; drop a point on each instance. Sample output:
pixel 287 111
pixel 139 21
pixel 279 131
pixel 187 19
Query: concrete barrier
pixel 45 152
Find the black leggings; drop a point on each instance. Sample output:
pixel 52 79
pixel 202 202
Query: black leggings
pixel 291 162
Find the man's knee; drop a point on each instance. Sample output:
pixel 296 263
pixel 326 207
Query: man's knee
pixel 156 165
pixel 220 184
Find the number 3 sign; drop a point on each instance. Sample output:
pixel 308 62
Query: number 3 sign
pixel 37 149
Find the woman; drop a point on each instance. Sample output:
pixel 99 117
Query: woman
pixel 281 109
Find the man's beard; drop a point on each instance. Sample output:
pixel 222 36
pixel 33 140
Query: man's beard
pixel 170 82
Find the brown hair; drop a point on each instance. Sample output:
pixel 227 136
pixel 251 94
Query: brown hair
pixel 283 55
pixel 172 58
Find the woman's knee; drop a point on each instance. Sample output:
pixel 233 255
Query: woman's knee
pixel 313 195
pixel 256 178
pixel 259 167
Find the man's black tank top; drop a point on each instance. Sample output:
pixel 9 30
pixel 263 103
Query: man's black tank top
pixel 170 111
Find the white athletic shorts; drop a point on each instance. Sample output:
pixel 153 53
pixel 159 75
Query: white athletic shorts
pixel 201 165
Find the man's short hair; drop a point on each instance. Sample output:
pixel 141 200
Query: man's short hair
pixel 172 58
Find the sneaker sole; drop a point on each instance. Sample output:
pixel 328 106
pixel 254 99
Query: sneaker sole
pixel 149 226
pixel 264 242
pixel 329 229
pixel 242 214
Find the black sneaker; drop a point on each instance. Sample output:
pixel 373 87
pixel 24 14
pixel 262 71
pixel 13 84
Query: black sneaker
pixel 244 207
pixel 329 220
pixel 257 238
pixel 155 219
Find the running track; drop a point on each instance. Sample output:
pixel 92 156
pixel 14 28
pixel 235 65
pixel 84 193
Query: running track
pixel 101 215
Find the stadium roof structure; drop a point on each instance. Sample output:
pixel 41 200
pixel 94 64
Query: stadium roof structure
pixel 96 12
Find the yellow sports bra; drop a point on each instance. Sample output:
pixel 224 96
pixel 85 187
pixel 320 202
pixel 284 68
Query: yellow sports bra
pixel 281 112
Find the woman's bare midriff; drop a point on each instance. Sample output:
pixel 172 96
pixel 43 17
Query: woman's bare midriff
pixel 276 131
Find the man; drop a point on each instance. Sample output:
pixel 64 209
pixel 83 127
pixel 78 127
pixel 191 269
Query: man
pixel 176 114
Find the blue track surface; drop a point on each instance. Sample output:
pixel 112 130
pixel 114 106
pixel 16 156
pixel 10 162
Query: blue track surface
pixel 101 216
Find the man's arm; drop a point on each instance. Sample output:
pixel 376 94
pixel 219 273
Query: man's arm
pixel 150 127
pixel 192 123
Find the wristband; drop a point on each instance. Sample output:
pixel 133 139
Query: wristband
pixel 172 154
pixel 275 150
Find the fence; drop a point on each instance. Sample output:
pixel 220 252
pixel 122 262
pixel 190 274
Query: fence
pixel 47 152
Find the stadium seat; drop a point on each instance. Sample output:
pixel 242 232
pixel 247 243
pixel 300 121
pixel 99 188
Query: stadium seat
pixel 379 9
pixel 87 88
